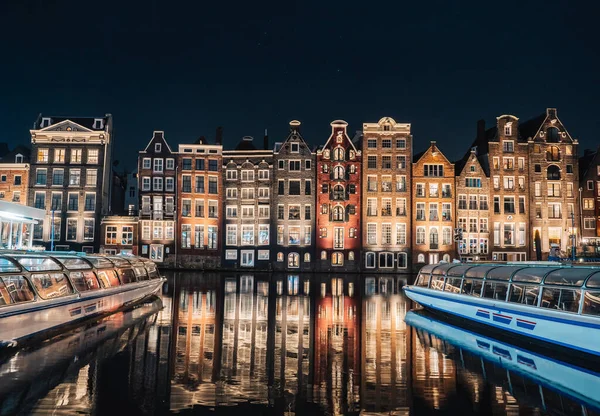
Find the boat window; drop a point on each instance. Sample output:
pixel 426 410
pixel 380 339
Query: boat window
pixel 472 287
pixel 525 294
pixel 594 280
pixel 422 280
pixel 428 268
pixel 84 281
pixel 108 278
pixel 140 272
pixel 458 271
pixel 437 282
pixel 479 271
pixel 74 263
pixel 51 285
pixel 568 277
pixel 442 269
pixel 100 262
pixel 531 274
pixel 495 290
pixel 14 289
pixel 127 275
pixel 502 272
pixel 38 264
pixel 561 299
pixel 120 261
pixel 152 270
pixel 453 284
pixel 591 303
pixel 8 266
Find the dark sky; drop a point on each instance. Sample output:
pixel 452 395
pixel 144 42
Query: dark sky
pixel 253 65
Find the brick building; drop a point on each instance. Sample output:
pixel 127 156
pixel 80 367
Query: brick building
pixel 472 206
pixel 386 179
pixel 156 188
pixel 70 177
pixel 199 213
pixel 119 235
pixel 433 202
pixel 338 201
pixel 554 176
pixel 589 204
pixel 293 206
pixel 14 176
pixel 247 182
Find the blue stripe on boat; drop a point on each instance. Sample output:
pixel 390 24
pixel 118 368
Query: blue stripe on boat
pixel 483 345
pixel 526 361
pixel 483 314
pixel 502 352
pixel 75 311
pixel 525 324
pixel 503 319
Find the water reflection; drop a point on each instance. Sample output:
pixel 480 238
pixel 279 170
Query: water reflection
pixel 306 343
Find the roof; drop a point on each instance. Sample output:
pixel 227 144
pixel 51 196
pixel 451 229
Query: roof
pixel 588 162
pixel 20 149
pixel 246 144
pixel 87 122
pixel 530 127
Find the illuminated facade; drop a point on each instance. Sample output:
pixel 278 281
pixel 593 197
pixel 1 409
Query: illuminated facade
pixel 247 174
pixel 119 235
pixel 472 207
pixel 589 179
pixel 199 204
pixel 386 185
pixel 293 207
pixel 156 185
pixel 70 177
pixel 433 202
pixel 338 241
pixel 14 176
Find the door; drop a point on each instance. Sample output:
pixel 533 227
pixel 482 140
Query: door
pixel 157 252
pixel 247 258
pixel 434 258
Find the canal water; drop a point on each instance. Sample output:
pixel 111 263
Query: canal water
pixel 283 344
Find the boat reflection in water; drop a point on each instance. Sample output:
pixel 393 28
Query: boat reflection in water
pixel 275 343
pixel 529 377
pixel 67 361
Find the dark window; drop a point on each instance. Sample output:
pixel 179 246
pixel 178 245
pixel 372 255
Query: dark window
pixel 307 212
pixel 212 165
pixel 187 164
pixel 352 188
pixel 324 188
pixel 538 168
pixel 280 189
pixel 212 185
pixel 199 164
pixel 294 188
pixel 17 180
pixel 186 184
pixel 280 212
pixel 496 205
pixel 553 173
pixel 552 135
pixel 199 184
pixel 306 187
pixel 569 169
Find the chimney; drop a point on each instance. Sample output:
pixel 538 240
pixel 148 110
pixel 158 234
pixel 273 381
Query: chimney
pixel 266 140
pixel 480 129
pixel 219 135
pixel 295 126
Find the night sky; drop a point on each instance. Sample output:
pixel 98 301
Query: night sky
pixel 248 66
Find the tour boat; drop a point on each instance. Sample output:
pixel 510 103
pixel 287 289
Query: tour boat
pixel 552 304
pixel 468 348
pixel 47 291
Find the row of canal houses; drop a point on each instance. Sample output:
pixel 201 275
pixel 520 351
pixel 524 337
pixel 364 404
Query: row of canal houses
pixel 366 202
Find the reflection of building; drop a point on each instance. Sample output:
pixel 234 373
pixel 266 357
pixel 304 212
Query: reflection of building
pixel 157 176
pixel 589 183
pixel 70 177
pixel 338 240
pixel 119 235
pixel 386 186
pixel 472 206
pixel 385 369
pixel 199 215
pixel 336 366
pixel 433 199
pixel 293 197
pixel 247 179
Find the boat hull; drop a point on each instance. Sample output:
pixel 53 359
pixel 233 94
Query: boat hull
pixel 544 326
pixel 35 320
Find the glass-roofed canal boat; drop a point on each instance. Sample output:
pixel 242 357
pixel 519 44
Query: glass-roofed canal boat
pixel 41 293
pixel 557 306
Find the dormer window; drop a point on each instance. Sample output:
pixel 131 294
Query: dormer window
pixel 45 122
pixel 157 147
pixel 19 158
pixel 386 128
pixel 295 147
pixel 508 128
pixel 98 124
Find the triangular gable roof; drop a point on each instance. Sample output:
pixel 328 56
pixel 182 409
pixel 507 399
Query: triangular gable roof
pixel 293 131
pixel 65 124
pixel 428 150
pixel 158 135
pixel 472 158
pixel 532 128
pixel 344 125
pixel 588 161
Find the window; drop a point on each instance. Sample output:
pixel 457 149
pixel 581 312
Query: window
pixel 55 230
pixel 337 259
pixel 433 190
pixel 372 143
pixel 590 185
pixel 537 168
pixel 400 143
pixel 496 205
pixel 509 204
pixel 91 177
pixel 400 206
pixel 295 147
pixel 231 239
pixel 186 236
pixel 420 211
pixel 433 170
pixel 73 202
pixel 553 173
pixel 401 234
pixel 337 213
pixel 338 173
pixel 158 165
pixel 213 209
pixel 420 190
pixel 508 146
pixel 433 238
pixel 186 183
pixel 338 154
pixel 307 215
pixel 200 164
pixel 307 164
pixel 462 202
pixel 247 193
pixel 521 236
pixel 294 187
pixel 521 163
pixel 589 223
pixel 386 143
pixel 231 193
pixel 509 183
pixel 157 184
pixel 230 212
pixel 509 234
pixel 294 236
pixel 198 186
pixel 76 155
pixel 371 162
pixel 508 128
pixel 186 164
pixel 231 174
pixel 420 235
pixel 447 236
pixel 42 156
pixel 294 165
pixel 199 236
pixel 552 135
pixel 169 184
pixel 554 210
pixel 213 185
pixel 58 177
pixel 146 163
pixel 280 212
pixel 553 189
pixel 186 207
pixel 386 162
pixel 371 207
pixel 508 163
pixel 59 156
pixel 247 211
pixel 338 237
pixel 473 202
pixel 247 235
pixel 307 235
pixel 294 212
pixel 247 175
pixel 588 203
pixel 473 182
pixel 40 176
pixel 307 187
pixel 212 165
pixel 170 164
pixel 433 212
pixel 75 177
pixel 72 231
pixel 157 147
pixel 90 202
pixel 446 212
pixel 88 229
pixel 281 164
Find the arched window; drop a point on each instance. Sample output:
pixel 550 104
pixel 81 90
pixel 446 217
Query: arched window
pixel 338 193
pixel 352 168
pixel 433 238
pixel 293 260
pixel 326 154
pixel 338 213
pixel 351 256
pixel 446 258
pixel 338 172
pixel 279 256
pixel 421 258
pixel 352 154
pixel 553 173
pixel 338 153
pixel 370 260
pixel 447 235
pixel 421 235
pixel 337 259
pixel 323 255
pixel 552 135
pixel 553 154
pixel 306 257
